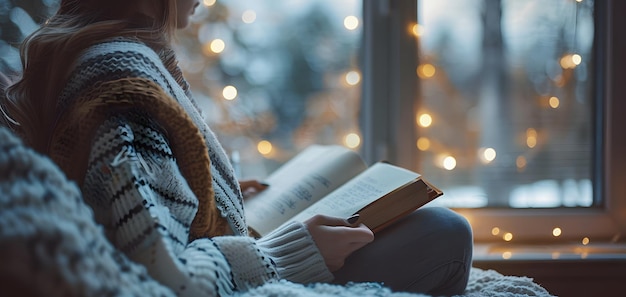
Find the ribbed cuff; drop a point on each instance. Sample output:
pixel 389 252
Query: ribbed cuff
pixel 296 256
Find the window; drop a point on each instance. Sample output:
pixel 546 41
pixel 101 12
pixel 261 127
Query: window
pixel 582 144
pixel 275 76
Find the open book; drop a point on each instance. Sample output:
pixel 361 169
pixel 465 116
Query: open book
pixel 334 181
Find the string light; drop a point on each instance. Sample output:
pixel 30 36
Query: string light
pixel 351 22
pixel 520 162
pixel 352 140
pixel 417 30
pixel 425 71
pixel 217 46
pixel 425 120
pixel 209 2
pixel 556 232
pixel 531 137
pixel 353 78
pixel 423 144
pixel 585 241
pixel 507 255
pixel 554 102
pixel 449 163
pixel 229 93
pixel 487 155
pixel 248 16
pixel 507 236
pixel 495 231
pixel 265 147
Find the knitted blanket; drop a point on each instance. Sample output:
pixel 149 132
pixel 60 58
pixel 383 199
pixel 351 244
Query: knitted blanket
pixel 50 245
pixel 482 283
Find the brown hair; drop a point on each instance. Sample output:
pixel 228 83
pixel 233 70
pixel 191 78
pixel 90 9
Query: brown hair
pixel 49 53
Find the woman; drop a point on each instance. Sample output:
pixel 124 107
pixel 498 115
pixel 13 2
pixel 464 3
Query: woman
pixel 101 94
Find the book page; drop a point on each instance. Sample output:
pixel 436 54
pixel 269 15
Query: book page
pixel 373 183
pixel 312 174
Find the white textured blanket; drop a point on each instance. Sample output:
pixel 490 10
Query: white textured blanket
pixel 484 283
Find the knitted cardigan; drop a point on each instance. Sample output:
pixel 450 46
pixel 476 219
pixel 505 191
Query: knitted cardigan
pixel 159 181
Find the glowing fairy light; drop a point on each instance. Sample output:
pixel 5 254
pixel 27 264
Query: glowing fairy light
pixel 351 22
pixel 352 140
pixel 417 30
pixel 426 71
pixel 209 2
pixel 229 92
pixel 248 16
pixel 554 102
pixel 217 46
pixel 423 144
pixel 449 163
pixel 353 78
pixel 487 155
pixel 264 147
pixel 425 120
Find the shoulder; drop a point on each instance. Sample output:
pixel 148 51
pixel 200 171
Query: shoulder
pixel 119 58
pixel 113 60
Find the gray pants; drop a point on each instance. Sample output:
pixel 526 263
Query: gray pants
pixel 429 251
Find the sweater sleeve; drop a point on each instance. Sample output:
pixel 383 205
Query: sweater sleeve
pixel 139 195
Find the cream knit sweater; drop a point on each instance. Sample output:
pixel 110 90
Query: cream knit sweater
pixel 134 184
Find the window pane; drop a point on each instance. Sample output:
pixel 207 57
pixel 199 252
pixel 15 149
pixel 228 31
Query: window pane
pixel 506 119
pixel 275 76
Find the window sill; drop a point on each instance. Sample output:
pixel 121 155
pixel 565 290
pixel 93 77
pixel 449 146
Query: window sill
pixel 564 270
pixel 542 252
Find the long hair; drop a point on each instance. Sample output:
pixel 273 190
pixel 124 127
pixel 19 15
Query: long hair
pixel 48 56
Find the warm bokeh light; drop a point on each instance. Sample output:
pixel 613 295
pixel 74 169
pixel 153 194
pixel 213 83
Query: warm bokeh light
pixel 229 92
pixel 264 147
pixel 520 162
pixel 417 30
pixel 507 255
pixel 507 236
pixel 248 16
pixel 449 163
pixel 209 2
pixel 352 140
pixel 531 137
pixel 556 255
pixel 585 241
pixel 353 78
pixel 570 61
pixel 577 59
pixel 495 231
pixel 426 71
pixel 425 120
pixel 554 102
pixel 351 22
pixel 556 232
pixel 487 155
pixel 423 143
pixel 217 46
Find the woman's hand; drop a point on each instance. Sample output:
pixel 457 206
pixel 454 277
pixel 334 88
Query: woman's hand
pixel 337 239
pixel 251 187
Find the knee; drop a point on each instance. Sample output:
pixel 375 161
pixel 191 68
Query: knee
pixel 448 224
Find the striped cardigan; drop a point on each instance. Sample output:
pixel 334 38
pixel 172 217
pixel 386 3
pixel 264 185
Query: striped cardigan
pixel 159 181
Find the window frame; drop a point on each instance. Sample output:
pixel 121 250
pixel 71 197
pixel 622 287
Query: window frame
pixel 391 98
